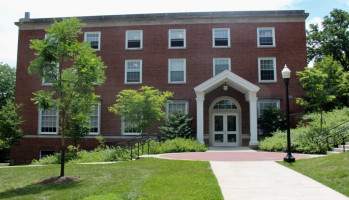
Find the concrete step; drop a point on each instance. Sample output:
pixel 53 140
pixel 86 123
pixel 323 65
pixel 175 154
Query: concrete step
pixel 332 152
pixel 345 146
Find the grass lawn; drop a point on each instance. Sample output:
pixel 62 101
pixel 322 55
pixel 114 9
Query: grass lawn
pixel 147 178
pixel 332 171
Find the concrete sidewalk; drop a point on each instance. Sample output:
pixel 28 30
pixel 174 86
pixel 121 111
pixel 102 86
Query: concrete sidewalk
pixel 268 180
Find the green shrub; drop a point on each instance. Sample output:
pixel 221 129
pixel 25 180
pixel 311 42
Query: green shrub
pixel 273 119
pixel 177 145
pixel 305 138
pixel 177 125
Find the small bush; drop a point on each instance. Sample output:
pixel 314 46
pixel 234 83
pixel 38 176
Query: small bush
pixel 177 125
pixel 273 119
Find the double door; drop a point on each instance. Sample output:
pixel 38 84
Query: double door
pixel 225 129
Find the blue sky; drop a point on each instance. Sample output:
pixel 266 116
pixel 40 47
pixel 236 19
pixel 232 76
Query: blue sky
pixel 11 11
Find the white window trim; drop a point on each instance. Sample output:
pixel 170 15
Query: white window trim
pixel 140 71
pixel 184 42
pixel 259 70
pixel 48 133
pixel 213 37
pixel 273 33
pixel 98 121
pixel 186 102
pixel 277 101
pixel 123 131
pixel 169 71
pixel 99 38
pixel 141 40
pixel 214 64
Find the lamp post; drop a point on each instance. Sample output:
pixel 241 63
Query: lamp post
pixel 286 73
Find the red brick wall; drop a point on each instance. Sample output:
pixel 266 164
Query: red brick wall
pixel 290 49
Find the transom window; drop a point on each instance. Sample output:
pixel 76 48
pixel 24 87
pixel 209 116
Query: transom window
pixel 267 69
pixel 176 70
pixel 48 122
pixel 264 104
pixel 220 64
pixel 134 39
pixel 266 37
pixel 133 71
pixel 177 105
pixel 176 38
pixel 225 104
pixel 94 38
pixel 221 37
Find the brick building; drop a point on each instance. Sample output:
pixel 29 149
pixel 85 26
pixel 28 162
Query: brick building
pixel 223 67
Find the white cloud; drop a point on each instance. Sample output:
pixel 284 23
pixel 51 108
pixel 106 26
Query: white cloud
pixel 315 20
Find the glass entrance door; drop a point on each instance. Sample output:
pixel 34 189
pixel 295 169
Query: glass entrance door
pixel 225 130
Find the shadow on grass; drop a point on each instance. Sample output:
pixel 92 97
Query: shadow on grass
pixel 35 189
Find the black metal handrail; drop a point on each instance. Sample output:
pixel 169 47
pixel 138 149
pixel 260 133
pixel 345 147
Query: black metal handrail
pixel 140 140
pixel 343 141
pixel 330 129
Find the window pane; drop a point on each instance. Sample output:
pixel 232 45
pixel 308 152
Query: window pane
pixel 48 121
pixel 177 38
pixel 231 137
pixel 221 65
pixel 93 38
pixel 134 39
pixel 267 70
pixel 218 123
pixel 266 37
pixel 177 70
pixel 231 123
pixel 225 104
pixel 221 38
pixel 175 107
pixel 133 71
pixel 94 121
pixel 177 76
pixel 218 138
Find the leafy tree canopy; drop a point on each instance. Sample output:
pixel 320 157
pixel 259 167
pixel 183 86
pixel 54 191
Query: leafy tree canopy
pixel 333 40
pixel 10 123
pixel 74 70
pixel 326 86
pixel 7 83
pixel 141 107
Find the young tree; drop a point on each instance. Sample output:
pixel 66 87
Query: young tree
pixel 333 40
pixel 141 108
pixel 272 119
pixel 7 83
pixel 74 70
pixel 326 86
pixel 10 123
pixel 178 124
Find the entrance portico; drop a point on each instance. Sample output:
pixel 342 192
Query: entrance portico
pixel 250 93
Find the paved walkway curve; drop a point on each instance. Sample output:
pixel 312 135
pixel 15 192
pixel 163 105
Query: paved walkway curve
pixel 245 174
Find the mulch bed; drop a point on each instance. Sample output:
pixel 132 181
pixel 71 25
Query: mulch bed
pixel 59 180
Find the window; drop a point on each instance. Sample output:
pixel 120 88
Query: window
pixel 48 122
pixel 44 153
pixel 129 128
pixel 50 75
pixel 267 69
pixel 221 37
pixel 95 120
pixel 264 104
pixel 220 64
pixel 176 70
pixel 225 104
pixel 176 38
pixel 266 37
pixel 134 39
pixel 94 38
pixel 133 71
pixel 177 105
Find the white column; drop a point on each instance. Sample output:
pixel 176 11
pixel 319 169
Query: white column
pixel 200 97
pixel 253 119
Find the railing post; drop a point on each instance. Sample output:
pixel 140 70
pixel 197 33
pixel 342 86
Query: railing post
pixel 138 150
pixel 343 144
pixel 148 147
pixel 131 152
